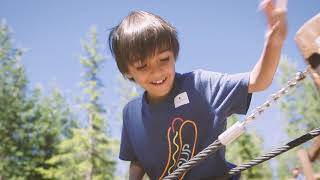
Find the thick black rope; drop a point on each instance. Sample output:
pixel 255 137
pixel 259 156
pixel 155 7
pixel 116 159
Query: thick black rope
pixel 294 143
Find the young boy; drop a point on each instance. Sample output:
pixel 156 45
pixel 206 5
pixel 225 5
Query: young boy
pixel 180 114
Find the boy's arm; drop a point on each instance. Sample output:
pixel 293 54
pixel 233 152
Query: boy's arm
pixel 262 74
pixel 136 171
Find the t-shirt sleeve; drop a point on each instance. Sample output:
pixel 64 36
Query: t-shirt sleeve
pixel 126 150
pixel 226 93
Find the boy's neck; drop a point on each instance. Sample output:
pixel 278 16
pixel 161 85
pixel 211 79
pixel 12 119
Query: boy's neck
pixel 155 100
pixel 158 99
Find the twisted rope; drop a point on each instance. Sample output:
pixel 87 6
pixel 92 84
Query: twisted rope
pixel 276 96
pixel 292 144
pixel 212 148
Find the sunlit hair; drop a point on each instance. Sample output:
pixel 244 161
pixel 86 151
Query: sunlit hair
pixel 139 36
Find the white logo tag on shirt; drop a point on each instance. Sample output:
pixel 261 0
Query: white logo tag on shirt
pixel 181 99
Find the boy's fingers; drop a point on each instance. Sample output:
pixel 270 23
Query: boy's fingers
pixel 282 4
pixel 268 8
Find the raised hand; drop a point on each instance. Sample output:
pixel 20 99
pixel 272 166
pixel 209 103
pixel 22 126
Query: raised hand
pixel 276 14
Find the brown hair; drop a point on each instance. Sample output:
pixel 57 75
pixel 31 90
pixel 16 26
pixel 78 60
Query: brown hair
pixel 139 36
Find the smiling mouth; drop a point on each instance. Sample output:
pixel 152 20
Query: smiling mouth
pixel 159 82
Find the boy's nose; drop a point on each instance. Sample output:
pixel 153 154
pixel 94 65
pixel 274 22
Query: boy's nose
pixel 154 66
pixel 156 73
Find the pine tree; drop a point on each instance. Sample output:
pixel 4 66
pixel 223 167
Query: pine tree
pixel 88 154
pixel 12 101
pixel 126 90
pixel 30 125
pixel 99 142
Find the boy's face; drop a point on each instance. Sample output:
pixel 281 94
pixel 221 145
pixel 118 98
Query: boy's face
pixel 155 75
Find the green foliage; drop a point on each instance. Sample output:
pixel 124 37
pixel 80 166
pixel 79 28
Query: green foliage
pixel 39 137
pixel 88 154
pixel 30 126
pixel 301 108
pixel 301 114
pixel 245 148
pixel 76 157
pixel 12 102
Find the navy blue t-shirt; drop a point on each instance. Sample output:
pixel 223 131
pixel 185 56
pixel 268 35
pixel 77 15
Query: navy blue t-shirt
pixel 164 135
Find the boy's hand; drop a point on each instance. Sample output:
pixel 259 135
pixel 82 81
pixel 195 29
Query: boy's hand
pixel 276 20
pixel 262 74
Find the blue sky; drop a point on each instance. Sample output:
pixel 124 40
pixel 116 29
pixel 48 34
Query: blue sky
pixel 225 36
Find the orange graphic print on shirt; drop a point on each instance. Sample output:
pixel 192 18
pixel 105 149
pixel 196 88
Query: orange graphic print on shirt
pixel 182 139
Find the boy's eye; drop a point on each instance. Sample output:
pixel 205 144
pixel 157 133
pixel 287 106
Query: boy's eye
pixel 165 59
pixel 141 67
